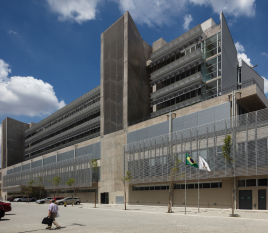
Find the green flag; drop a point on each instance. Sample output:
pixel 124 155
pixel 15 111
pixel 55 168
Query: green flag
pixel 190 161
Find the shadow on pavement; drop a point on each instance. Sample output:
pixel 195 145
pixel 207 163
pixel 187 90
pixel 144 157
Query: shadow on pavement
pixel 74 224
pixel 4 219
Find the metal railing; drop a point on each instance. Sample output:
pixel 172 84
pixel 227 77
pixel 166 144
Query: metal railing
pixel 63 110
pixel 64 134
pixel 177 85
pixel 177 43
pixel 151 160
pixel 74 118
pixel 176 65
pixel 77 168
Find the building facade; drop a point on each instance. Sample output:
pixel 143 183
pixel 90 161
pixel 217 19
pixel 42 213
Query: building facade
pixel 153 102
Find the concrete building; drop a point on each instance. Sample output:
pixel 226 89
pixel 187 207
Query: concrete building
pixel 153 102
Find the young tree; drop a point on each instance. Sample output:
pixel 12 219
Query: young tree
pixel 55 181
pixel 29 188
pixel 70 182
pixel 126 181
pixel 40 184
pixel 94 166
pixel 229 160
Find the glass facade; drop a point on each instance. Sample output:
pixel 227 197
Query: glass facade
pixel 211 69
pixel 211 46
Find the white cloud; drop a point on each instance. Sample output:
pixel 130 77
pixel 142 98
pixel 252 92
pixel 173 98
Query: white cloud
pixel 244 57
pixel 4 70
pixel 187 20
pixel 26 95
pixel 12 32
pixel 230 7
pixel 154 12
pixel 239 47
pixel 265 54
pixel 75 10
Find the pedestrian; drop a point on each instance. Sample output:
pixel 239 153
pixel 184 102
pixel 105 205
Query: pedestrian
pixel 52 213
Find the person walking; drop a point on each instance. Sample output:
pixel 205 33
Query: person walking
pixel 52 213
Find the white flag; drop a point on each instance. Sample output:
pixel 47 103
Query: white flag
pixel 203 165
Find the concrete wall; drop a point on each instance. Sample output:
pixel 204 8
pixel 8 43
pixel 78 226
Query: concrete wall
pixel 158 44
pixel 111 169
pixel 207 24
pixel 12 147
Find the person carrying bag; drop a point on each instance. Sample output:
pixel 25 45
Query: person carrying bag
pixel 52 214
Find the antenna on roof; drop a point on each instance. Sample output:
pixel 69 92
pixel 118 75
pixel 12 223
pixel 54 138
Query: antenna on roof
pixel 254 66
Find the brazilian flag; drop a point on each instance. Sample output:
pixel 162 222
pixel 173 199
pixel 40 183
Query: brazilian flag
pixel 190 161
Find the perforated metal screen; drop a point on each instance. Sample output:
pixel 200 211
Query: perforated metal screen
pixel 151 160
pixel 77 168
pixel 113 72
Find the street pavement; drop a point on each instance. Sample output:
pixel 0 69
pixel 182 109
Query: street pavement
pixel 26 217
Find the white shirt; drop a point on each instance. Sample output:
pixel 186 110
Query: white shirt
pixel 53 207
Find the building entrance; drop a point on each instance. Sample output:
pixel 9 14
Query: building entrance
pixel 104 198
pixel 262 199
pixel 245 199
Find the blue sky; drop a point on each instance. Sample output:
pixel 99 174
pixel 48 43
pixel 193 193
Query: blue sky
pixel 50 49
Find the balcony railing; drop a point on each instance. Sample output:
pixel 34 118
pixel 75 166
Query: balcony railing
pixel 63 123
pixel 64 145
pixel 177 85
pixel 177 106
pixel 177 43
pixel 176 65
pixel 64 134
pixel 63 110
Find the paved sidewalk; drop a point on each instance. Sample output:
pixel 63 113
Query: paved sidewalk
pixel 113 218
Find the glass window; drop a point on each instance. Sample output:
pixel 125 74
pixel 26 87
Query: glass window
pixel 151 187
pixel 241 183
pixel 163 187
pixel 146 188
pixel 157 187
pixel 250 182
pixel 177 186
pixel 206 185
pixel 215 185
pixel 262 182
pixel 190 186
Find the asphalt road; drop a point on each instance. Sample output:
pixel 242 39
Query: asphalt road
pixel 26 217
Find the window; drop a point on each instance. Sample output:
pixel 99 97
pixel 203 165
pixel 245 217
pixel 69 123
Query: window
pixel 262 182
pixel 190 186
pixel 241 183
pixel 215 185
pixel 206 185
pixel 251 183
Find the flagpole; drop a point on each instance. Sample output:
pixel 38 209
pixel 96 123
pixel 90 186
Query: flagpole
pixel 185 185
pixel 198 188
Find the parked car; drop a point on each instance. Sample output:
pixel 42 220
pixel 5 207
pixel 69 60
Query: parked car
pixel 2 212
pixel 12 198
pixel 45 200
pixel 6 206
pixel 57 198
pixel 25 199
pixel 68 200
